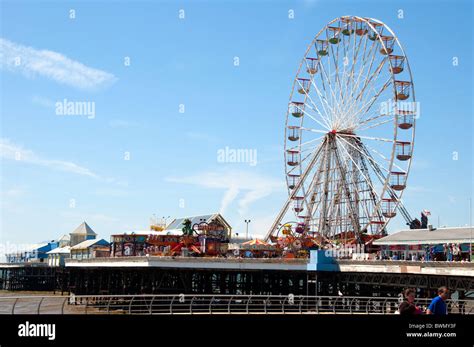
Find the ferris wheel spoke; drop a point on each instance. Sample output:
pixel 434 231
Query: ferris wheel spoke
pixel 375 125
pixel 321 97
pixel 384 158
pixel 313 118
pixel 313 109
pixel 370 78
pixel 323 84
pixel 314 130
pixel 349 83
pixel 325 126
pixel 350 115
pixel 378 116
pixel 363 64
pixel 307 142
pixel 345 63
pixel 383 179
pixel 335 58
pixel 373 77
pixel 373 114
pixel 368 137
pixel 347 103
pixel 360 97
pixel 370 99
pixel 355 54
pixel 364 154
pixel 366 106
pixel 325 78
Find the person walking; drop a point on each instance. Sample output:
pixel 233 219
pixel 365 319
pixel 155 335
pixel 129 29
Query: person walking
pixel 408 307
pixel 438 304
pixel 457 252
pixel 432 253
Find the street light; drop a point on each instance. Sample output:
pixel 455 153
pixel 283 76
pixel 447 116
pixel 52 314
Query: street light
pixel 470 227
pixel 247 221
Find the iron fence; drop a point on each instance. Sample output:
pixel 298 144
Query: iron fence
pixel 213 304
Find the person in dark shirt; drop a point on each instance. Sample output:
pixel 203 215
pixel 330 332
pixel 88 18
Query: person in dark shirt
pixel 408 307
pixel 438 305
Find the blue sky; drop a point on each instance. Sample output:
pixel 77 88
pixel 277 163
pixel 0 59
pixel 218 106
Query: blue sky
pixel 190 62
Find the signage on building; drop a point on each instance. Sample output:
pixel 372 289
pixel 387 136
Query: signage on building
pixel 212 229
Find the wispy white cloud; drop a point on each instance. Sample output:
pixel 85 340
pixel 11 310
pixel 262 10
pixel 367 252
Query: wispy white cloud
pixel 11 151
pixel 56 66
pixel 246 187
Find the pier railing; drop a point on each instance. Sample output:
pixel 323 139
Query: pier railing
pixel 213 304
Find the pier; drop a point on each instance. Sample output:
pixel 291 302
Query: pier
pixel 189 275
pixel 153 275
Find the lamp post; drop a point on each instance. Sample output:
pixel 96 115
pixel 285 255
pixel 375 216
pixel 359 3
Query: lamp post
pixel 247 221
pixel 470 227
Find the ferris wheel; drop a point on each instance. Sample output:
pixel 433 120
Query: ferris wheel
pixel 349 131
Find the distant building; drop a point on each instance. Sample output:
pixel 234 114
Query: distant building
pixel 134 243
pixel 177 224
pixel 57 256
pixel 64 241
pixel 82 233
pixel 429 243
pixel 34 253
pixel 213 230
pixel 94 248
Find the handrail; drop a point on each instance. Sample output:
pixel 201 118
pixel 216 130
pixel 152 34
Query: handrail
pixel 215 304
pixel 39 305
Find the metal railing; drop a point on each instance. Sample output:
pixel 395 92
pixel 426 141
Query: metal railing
pixel 213 304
